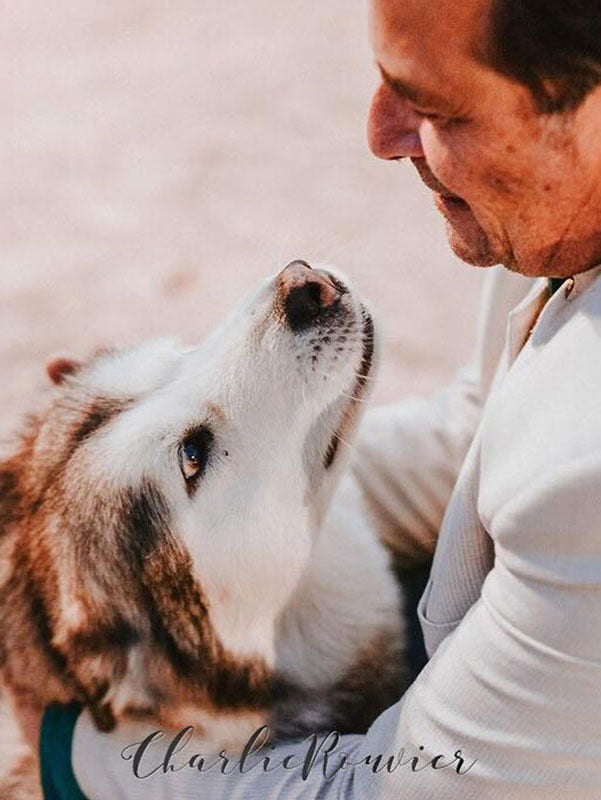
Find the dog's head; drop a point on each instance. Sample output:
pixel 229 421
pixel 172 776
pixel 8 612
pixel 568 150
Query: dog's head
pixel 200 474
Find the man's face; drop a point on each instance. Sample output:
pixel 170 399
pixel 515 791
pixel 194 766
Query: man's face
pixel 516 187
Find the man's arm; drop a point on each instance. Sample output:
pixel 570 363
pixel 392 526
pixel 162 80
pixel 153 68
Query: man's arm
pixel 494 715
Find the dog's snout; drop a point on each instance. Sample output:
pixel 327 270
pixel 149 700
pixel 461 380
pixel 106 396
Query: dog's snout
pixel 307 293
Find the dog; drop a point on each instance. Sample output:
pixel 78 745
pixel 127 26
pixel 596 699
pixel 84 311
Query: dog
pixel 166 546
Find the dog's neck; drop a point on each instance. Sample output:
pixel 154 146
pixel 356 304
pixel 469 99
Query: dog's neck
pixel 246 603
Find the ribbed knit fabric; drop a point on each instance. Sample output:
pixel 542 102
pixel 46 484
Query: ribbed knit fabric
pixel 56 738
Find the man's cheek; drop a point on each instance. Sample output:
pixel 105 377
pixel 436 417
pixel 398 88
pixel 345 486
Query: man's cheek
pixel 451 169
pixel 503 182
pixel 445 148
pixel 479 183
pixel 468 167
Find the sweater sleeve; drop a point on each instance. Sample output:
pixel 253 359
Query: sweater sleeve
pixel 490 716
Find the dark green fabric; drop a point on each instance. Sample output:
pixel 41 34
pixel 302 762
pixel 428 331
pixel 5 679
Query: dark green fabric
pixel 56 738
pixel 554 284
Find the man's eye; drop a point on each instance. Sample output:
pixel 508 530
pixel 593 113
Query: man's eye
pixel 441 120
pixel 194 453
pixel 431 115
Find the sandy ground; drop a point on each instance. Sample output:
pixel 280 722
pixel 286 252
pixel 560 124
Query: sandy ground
pixel 157 158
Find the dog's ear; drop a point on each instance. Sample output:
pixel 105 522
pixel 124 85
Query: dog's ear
pixel 58 367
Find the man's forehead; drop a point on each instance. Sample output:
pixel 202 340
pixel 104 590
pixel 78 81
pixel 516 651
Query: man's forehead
pixel 434 34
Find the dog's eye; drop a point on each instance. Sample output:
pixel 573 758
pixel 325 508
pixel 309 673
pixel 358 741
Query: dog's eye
pixel 194 453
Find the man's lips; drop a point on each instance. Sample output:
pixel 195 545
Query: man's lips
pixel 450 203
pixel 445 197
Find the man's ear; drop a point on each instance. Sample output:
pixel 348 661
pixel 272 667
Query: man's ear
pixel 58 367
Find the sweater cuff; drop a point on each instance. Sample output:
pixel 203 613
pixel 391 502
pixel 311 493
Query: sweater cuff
pixel 56 739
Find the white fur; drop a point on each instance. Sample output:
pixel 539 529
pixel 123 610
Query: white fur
pixel 304 603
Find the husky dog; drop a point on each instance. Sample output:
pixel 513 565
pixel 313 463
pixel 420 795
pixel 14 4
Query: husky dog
pixel 164 544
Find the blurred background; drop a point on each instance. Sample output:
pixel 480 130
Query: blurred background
pixel 158 158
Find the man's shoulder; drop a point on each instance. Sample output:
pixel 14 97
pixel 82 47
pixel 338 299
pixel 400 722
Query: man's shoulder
pixel 544 420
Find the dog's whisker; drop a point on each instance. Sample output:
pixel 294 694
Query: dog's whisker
pixel 353 448
pixel 338 252
pixel 362 377
pixel 355 398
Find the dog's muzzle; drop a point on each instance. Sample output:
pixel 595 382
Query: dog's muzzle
pixel 308 295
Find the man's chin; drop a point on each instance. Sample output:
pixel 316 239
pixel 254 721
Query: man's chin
pixel 467 238
pixel 473 250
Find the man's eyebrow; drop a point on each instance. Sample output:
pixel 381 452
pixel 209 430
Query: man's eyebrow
pixel 411 92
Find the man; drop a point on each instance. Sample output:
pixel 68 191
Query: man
pixel 498 104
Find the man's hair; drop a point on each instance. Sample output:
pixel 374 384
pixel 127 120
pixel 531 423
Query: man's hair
pixel 551 46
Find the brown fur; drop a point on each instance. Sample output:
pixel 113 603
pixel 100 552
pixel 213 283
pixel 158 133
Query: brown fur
pixel 90 574
pixel 373 683
pixel 126 574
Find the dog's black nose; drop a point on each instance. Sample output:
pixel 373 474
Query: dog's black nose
pixel 307 293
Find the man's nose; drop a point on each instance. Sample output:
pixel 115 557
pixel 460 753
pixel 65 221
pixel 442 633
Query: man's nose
pixel 393 126
pixel 306 294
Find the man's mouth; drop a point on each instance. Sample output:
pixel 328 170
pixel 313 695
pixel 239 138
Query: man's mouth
pixel 445 199
pixel 450 202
